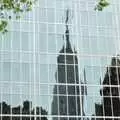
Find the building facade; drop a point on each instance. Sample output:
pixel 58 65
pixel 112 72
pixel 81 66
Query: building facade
pixel 58 63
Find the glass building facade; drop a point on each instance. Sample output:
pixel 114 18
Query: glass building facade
pixel 61 62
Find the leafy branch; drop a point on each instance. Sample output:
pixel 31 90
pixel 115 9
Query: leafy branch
pixel 101 5
pixel 13 8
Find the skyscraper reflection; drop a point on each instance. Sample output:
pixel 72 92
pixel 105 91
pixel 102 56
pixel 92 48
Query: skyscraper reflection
pixel 67 99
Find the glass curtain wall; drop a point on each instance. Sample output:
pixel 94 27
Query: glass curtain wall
pixel 61 62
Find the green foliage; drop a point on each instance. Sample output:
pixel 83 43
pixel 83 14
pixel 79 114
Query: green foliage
pixel 13 8
pixel 3 25
pixel 101 5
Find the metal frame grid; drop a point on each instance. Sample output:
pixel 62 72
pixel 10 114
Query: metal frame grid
pixel 29 63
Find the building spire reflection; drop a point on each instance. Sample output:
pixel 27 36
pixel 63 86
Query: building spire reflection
pixel 66 95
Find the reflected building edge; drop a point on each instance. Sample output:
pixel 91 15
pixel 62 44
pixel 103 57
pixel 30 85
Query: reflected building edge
pixel 22 112
pixel 110 105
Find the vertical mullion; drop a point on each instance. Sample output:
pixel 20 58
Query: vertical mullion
pixel 47 43
pixel 38 55
pixel 1 76
pixel 20 64
pixel 76 64
pixel 30 71
pixel 57 81
pixel 110 86
pixel 11 73
pixel 34 63
pixel 82 100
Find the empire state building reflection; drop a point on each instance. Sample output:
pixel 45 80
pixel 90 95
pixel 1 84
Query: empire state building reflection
pixel 67 100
